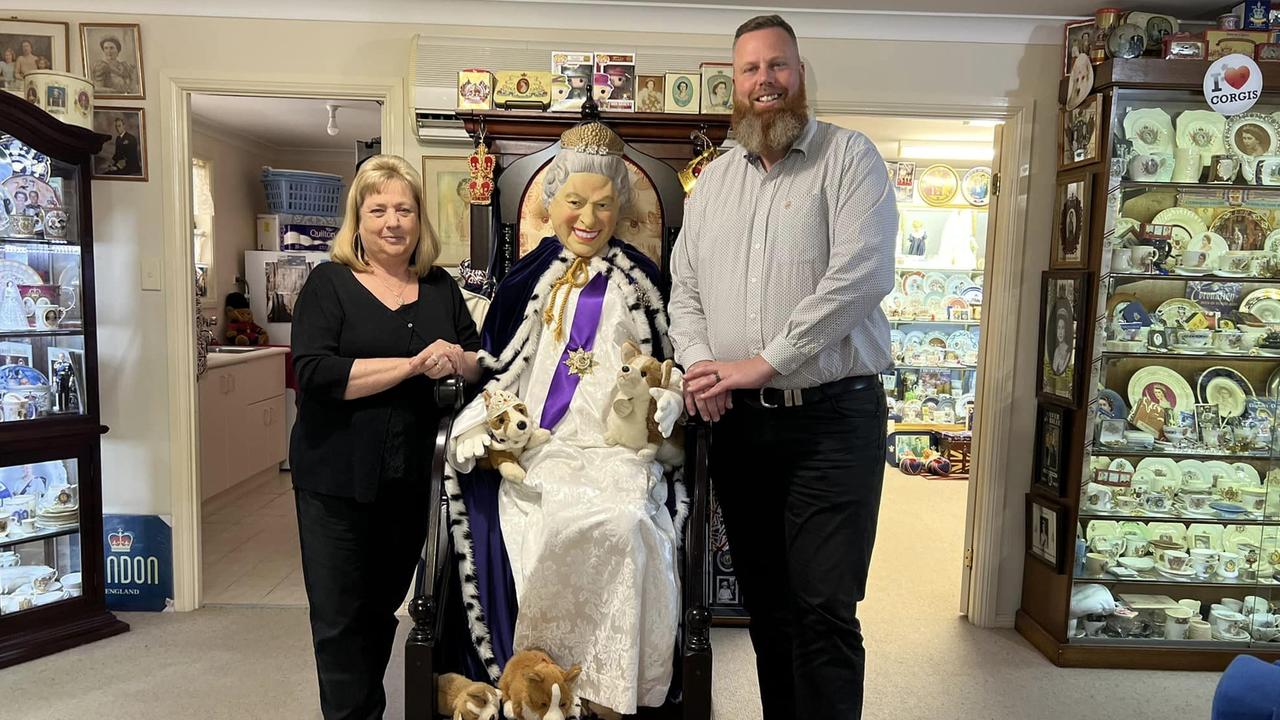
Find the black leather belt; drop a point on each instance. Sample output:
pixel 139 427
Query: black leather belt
pixel 779 398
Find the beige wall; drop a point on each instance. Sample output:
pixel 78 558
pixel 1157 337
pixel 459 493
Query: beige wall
pixel 844 75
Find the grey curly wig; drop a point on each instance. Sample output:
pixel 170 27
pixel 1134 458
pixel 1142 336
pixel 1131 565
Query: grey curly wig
pixel 569 162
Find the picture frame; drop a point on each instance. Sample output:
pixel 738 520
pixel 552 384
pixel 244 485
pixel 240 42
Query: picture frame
pixel 717 88
pixel 1046 526
pixel 444 191
pixel 1053 443
pixel 903 442
pixel 1076 39
pixel 124 157
pixel 1080 132
pixel 682 93
pixel 116 74
pixel 48 40
pixel 1064 322
pixel 1071 227
pixel 650 93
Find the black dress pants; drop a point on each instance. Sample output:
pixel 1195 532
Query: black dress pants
pixel 799 489
pixel 357 562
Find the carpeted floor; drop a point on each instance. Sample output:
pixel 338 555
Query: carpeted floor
pixel 925 662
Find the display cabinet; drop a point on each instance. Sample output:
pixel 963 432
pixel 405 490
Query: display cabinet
pixel 52 583
pixel 1153 531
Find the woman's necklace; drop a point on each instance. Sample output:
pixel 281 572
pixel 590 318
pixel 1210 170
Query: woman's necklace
pixel 399 294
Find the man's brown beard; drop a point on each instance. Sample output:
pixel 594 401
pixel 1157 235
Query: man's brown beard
pixel 771 132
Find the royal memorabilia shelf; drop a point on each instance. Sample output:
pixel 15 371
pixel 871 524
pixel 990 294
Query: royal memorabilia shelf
pixel 52 594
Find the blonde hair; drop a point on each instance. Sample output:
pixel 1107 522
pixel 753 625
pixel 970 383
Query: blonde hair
pixel 372 177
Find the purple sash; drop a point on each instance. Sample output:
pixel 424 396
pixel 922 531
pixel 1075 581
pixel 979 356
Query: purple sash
pixel 582 336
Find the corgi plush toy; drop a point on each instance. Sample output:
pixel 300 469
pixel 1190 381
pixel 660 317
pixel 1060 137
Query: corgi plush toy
pixel 534 687
pixel 511 433
pixel 462 699
pixel 630 421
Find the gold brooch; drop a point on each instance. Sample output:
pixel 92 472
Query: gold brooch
pixel 581 362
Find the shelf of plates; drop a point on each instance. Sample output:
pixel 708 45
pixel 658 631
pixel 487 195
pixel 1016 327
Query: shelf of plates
pixel 52 585
pixel 935 309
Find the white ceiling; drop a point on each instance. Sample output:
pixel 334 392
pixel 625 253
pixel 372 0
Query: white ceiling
pixel 887 132
pixel 1187 9
pixel 289 123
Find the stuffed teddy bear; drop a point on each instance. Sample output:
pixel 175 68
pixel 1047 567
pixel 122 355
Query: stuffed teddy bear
pixel 534 686
pixel 631 420
pixel 511 432
pixel 463 699
pixel 241 329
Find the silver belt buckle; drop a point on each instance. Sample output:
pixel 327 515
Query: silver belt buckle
pixel 793 398
pixel 765 403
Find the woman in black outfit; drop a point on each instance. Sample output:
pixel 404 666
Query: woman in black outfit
pixel 372 332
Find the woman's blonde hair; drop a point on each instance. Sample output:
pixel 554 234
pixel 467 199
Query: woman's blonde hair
pixel 372 177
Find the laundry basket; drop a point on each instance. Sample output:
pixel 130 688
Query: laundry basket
pixel 299 192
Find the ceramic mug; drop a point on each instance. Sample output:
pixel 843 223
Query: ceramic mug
pixel 23 226
pixel 1142 258
pixel 1223 169
pixel 1199 629
pixel 1187 165
pixel 1266 171
pixel 14 407
pixel 1177 622
pixel 1229 565
pixel 55 224
pixel 1096 563
pixel 1121 260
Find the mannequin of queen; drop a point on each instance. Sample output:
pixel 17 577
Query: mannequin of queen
pixel 579 558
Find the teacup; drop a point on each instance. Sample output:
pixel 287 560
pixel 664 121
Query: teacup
pixel 1093 628
pixel 1226 623
pixel 1141 258
pixel 27 525
pixel 1127 503
pixel 1176 623
pixel 1137 546
pixel 1229 340
pixel 1130 331
pixel 1255 605
pixel 1232 604
pixel 23 226
pixel 1197 338
pixel 1176 433
pixel 1150 167
pixel 1229 565
pixel 55 224
pixel 1097 497
pixel 1194 259
pixel 42 583
pixel 1254 498
pixel 1096 563
pixel 9 559
pixel 1223 169
pixel 4 525
pixel 15 407
pixel 1236 262
pixel 1176 560
pixel 1198 502
pixel 1156 502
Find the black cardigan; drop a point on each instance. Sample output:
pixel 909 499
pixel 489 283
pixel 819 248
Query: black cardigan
pixel 338 445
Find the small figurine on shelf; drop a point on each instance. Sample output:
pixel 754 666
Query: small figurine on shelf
pixel 916 240
pixel 241 329
pixel 66 393
pixel 12 314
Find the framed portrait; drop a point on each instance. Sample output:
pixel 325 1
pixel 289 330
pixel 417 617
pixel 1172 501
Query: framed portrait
pixel 650 93
pixel 1080 131
pixel 1053 445
pixel 1071 223
pixel 30 45
pixel 444 190
pixel 1062 333
pixel 682 93
pixel 1250 136
pixel 112 55
pixel 1046 532
pixel 1077 37
pixel 124 157
pixel 717 89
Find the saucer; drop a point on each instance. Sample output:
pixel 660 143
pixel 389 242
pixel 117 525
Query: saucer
pixel 28 590
pixel 1228 273
pixel 1194 271
pixel 1170 572
pixel 1191 349
pixel 1240 636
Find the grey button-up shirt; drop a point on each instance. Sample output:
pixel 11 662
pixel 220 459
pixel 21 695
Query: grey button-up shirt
pixel 790 264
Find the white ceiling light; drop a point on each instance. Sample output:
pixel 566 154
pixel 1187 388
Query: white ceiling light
pixel 333 118
pixel 940 150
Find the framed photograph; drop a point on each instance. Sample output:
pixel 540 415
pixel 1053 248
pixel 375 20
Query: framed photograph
pixel 1046 536
pixel 683 93
pixel 910 443
pixel 202 282
pixel 1064 321
pixel 1071 223
pixel 1080 130
pixel 1077 37
pixel 717 89
pixel 1053 444
pixel 650 93
pixel 444 190
pixel 31 45
pixel 125 156
pixel 112 55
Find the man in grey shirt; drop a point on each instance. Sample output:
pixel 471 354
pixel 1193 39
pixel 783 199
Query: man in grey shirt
pixel 778 274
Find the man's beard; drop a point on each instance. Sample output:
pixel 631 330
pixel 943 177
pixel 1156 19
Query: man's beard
pixel 771 132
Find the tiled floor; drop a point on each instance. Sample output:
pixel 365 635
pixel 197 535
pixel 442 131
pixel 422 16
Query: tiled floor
pixel 250 546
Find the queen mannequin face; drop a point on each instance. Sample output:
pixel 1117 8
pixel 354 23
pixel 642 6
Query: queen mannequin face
pixel 584 213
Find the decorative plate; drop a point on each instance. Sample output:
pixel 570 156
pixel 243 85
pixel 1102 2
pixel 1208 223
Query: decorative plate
pixel 1252 299
pixel 1242 229
pixel 25 159
pixel 1273 384
pixel 1184 219
pixel 1272 243
pixel 1101 529
pixel 1127 41
pixel 1119 309
pixel 895 304
pixel 961 342
pixel 915 338
pixel 1165 471
pixel 935 282
pixel 1267 310
pixel 936 339
pixel 1168 531
pixel 933 303
pixel 1204 130
pixel 1176 312
pixel 18 376
pixel 972 295
pixel 7 208
pixel 1227 395
pixel 29 186
pixel 1249 136
pixel 1220 472
pixel 1247 473
pixel 1213 245
pixel 19 273
pixel 1194 474
pixel 896 343
pixel 6 167
pixel 957 283
pixel 1124 226
pixel 1162 385
pixel 1220 371
pixel 1116 410
pixel 976 186
pixel 913 283
pixel 954 302
pixel 938 185
pixel 1210 534
pixel 1150 130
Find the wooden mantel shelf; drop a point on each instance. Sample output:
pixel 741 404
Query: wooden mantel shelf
pixel 649 127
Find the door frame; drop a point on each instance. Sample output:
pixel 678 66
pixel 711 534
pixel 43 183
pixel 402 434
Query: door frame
pixel 1003 282
pixel 179 281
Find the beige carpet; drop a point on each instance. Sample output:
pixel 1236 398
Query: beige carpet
pixel 925 662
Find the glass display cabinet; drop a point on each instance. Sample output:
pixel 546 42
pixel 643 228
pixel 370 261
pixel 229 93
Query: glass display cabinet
pixel 51 537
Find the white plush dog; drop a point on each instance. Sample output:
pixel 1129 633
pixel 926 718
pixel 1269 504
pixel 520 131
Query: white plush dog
pixel 632 421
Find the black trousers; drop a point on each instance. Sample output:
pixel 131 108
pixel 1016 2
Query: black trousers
pixel 799 489
pixel 357 561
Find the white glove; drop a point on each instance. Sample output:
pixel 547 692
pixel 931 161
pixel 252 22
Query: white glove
pixel 667 409
pixel 471 446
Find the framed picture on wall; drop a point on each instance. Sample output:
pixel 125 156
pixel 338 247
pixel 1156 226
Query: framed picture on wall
pixel 112 57
pixel 1053 440
pixel 1077 37
pixel 444 190
pixel 683 92
pixel 1079 136
pixel 31 45
pixel 1071 223
pixel 124 157
pixel 1062 334
pixel 1046 532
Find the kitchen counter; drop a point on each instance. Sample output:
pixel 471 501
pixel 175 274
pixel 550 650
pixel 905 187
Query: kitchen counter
pixel 223 359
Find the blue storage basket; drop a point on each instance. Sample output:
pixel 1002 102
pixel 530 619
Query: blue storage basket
pixel 297 192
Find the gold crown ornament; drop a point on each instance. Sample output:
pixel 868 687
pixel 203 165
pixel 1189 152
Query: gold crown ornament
pixel 593 139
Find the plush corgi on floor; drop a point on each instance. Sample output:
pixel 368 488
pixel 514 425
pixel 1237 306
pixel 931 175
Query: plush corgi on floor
pixel 534 687
pixel 463 699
